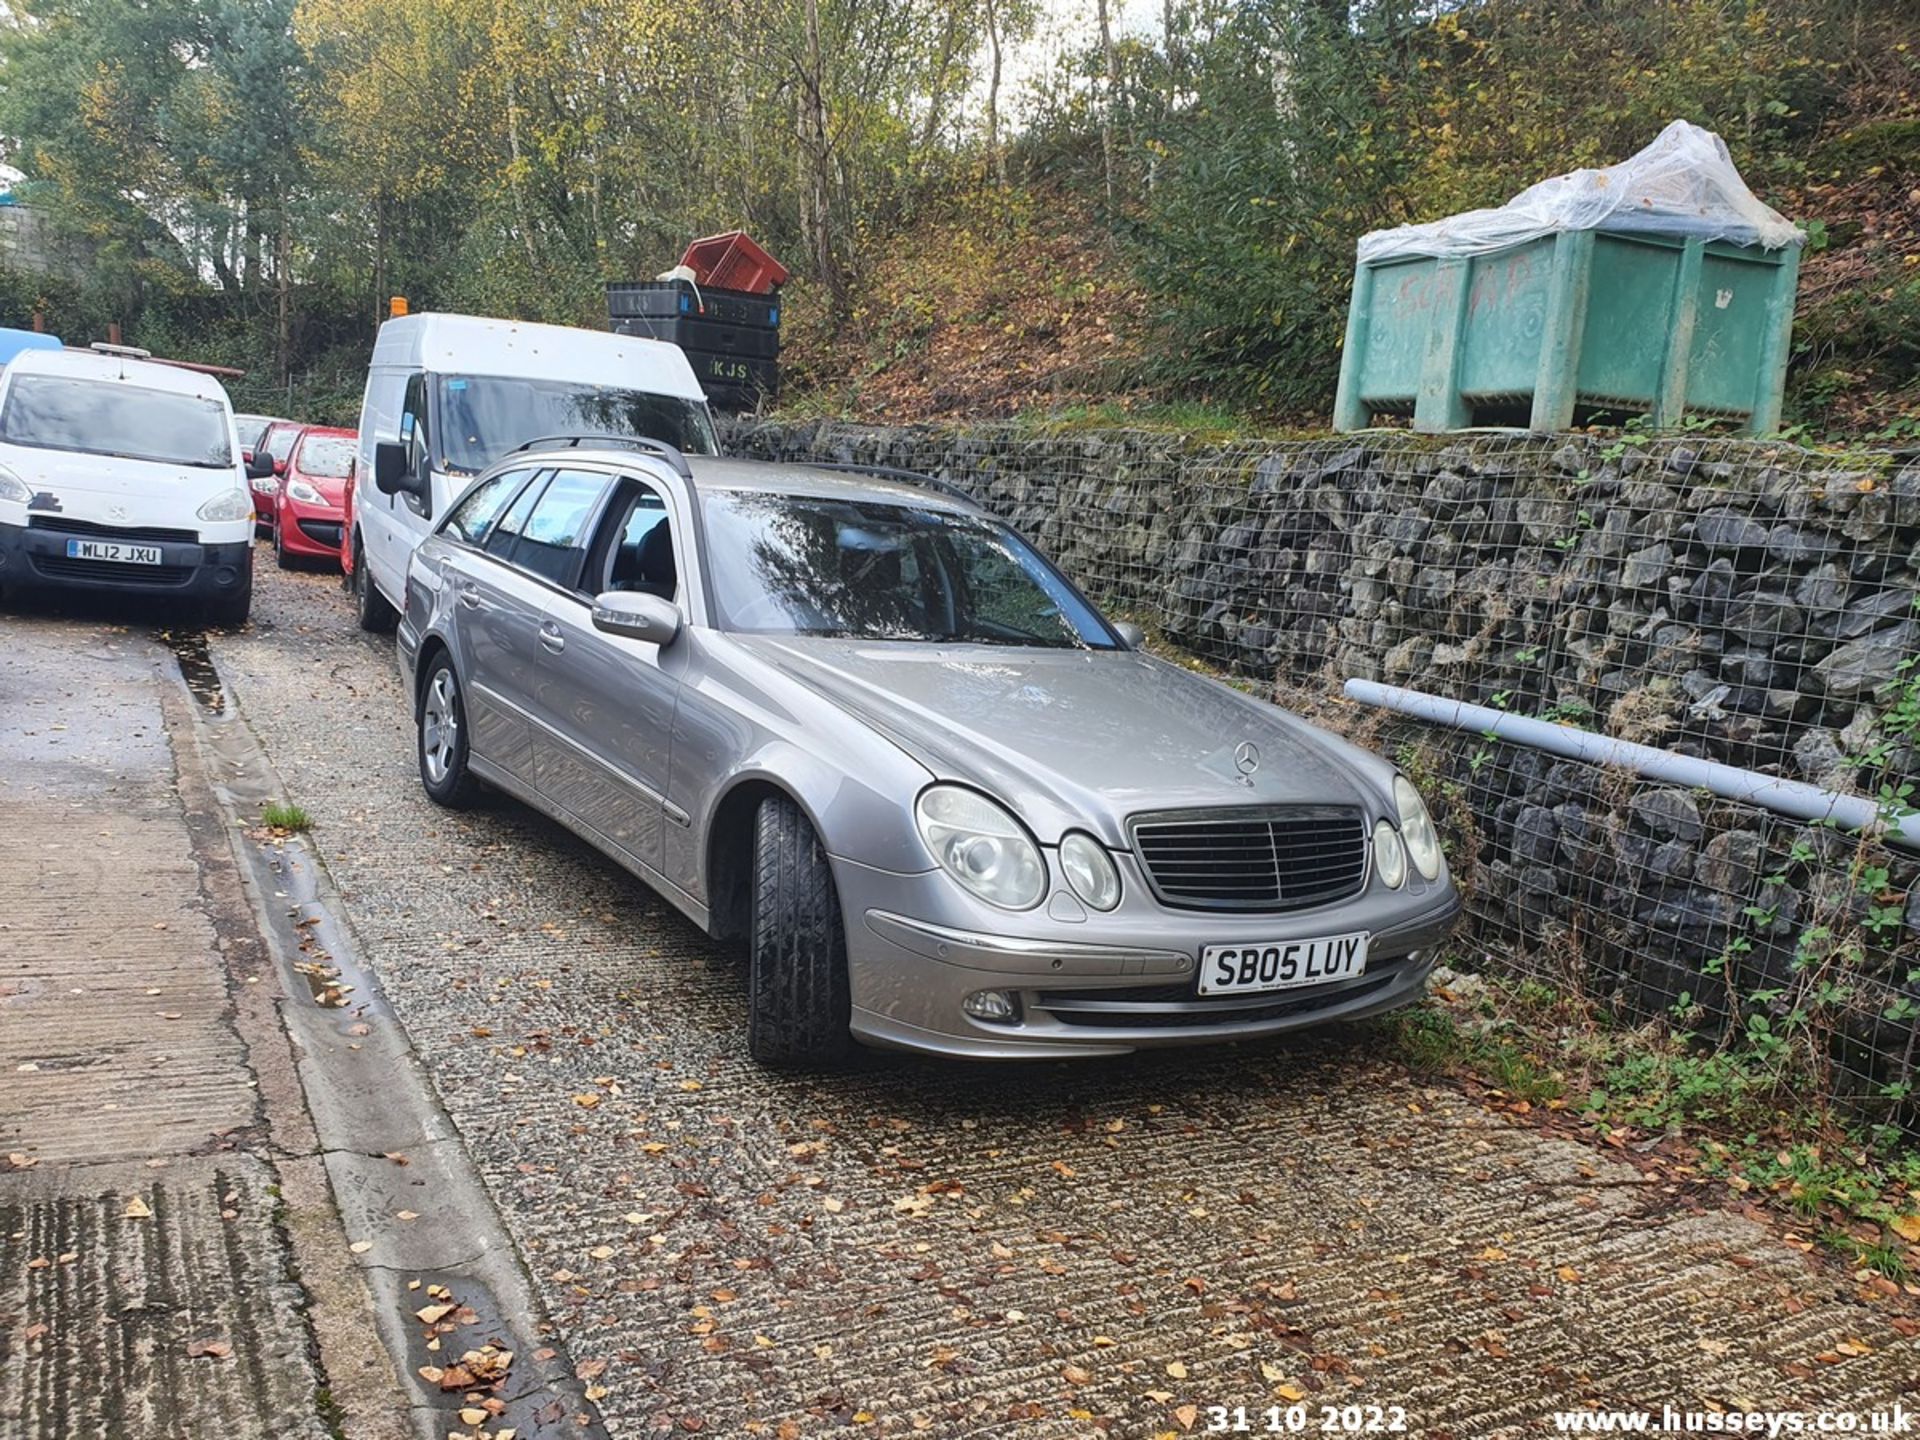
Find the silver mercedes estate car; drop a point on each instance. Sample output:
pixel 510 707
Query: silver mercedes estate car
pixel 858 727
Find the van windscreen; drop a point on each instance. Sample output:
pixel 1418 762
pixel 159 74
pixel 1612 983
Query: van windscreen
pixel 482 417
pixel 112 417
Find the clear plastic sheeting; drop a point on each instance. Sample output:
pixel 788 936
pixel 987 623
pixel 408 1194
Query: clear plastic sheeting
pixel 1683 184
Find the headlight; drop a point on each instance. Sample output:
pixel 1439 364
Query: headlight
pixel 13 488
pixel 982 846
pixel 303 492
pixel 1416 829
pixel 1089 870
pixel 233 505
pixel 1389 856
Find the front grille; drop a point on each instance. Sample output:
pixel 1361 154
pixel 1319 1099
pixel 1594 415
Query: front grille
pixel 322 532
pixel 1274 858
pixel 112 532
pixel 1175 1007
pixel 109 572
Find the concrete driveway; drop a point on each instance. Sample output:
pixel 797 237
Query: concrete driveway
pixel 1103 1248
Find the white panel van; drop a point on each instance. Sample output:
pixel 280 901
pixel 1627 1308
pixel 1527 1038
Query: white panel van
pixel 121 474
pixel 447 395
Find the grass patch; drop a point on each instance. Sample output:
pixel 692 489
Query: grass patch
pixel 1720 1112
pixel 284 815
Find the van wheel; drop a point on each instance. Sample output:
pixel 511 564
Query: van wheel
pixel 798 1002
pixel 443 739
pixel 370 606
pixel 229 612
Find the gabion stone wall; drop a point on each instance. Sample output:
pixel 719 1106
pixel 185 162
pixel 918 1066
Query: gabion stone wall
pixel 1749 602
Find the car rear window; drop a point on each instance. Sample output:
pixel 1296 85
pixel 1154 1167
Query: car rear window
pixel 114 417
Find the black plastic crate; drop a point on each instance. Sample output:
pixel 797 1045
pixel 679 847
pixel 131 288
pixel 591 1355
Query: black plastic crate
pixel 707 335
pixel 670 299
pixel 735 382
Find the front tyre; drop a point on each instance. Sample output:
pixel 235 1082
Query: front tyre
pixel 375 615
pixel 443 739
pixel 798 1002
pixel 230 612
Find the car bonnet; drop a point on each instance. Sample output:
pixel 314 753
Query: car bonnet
pixel 1077 738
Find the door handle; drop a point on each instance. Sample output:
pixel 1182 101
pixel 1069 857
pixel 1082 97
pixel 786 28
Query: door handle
pixel 470 596
pixel 551 638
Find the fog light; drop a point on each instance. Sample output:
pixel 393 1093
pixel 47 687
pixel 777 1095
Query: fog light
pixel 995 1005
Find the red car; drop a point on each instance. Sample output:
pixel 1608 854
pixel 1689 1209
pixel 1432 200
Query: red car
pixel 278 441
pixel 309 512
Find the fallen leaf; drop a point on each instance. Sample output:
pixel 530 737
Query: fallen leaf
pixel 1176 1370
pixel 1907 1227
pixel 1075 1375
pixel 406 1215
pixel 137 1209
pixel 433 1314
pixel 360 1247
pixel 211 1349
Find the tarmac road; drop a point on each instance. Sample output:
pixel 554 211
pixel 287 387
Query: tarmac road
pixel 1055 1250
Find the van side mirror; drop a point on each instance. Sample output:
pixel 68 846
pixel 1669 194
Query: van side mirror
pixel 392 474
pixel 637 615
pixel 259 465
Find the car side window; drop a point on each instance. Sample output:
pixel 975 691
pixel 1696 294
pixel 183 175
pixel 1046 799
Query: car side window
pixel 413 434
pixel 476 509
pixel 639 555
pixel 506 534
pixel 555 538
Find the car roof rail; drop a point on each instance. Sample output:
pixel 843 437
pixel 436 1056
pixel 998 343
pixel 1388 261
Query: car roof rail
pixel 658 448
pixel 905 477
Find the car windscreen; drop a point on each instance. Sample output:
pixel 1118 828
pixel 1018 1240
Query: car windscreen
pixel 281 439
pixel 327 457
pixel 482 417
pixel 253 429
pixel 881 570
pixel 112 417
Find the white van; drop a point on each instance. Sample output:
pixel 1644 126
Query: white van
pixel 124 475
pixel 447 395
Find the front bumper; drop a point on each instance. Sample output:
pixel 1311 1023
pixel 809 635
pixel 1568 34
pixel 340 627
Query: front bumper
pixel 35 557
pixel 1126 983
pixel 311 530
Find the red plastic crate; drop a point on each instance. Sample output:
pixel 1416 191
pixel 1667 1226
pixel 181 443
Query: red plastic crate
pixel 734 262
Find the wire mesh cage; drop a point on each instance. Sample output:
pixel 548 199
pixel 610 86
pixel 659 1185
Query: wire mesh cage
pixel 1746 602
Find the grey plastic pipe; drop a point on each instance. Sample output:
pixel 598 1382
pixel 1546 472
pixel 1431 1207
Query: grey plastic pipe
pixel 1730 782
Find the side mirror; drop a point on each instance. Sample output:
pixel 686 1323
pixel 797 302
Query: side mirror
pixel 1131 635
pixel 259 467
pixel 637 616
pixel 391 472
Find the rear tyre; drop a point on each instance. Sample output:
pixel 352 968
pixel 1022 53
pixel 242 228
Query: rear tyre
pixel 798 1002
pixel 443 739
pixel 370 606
